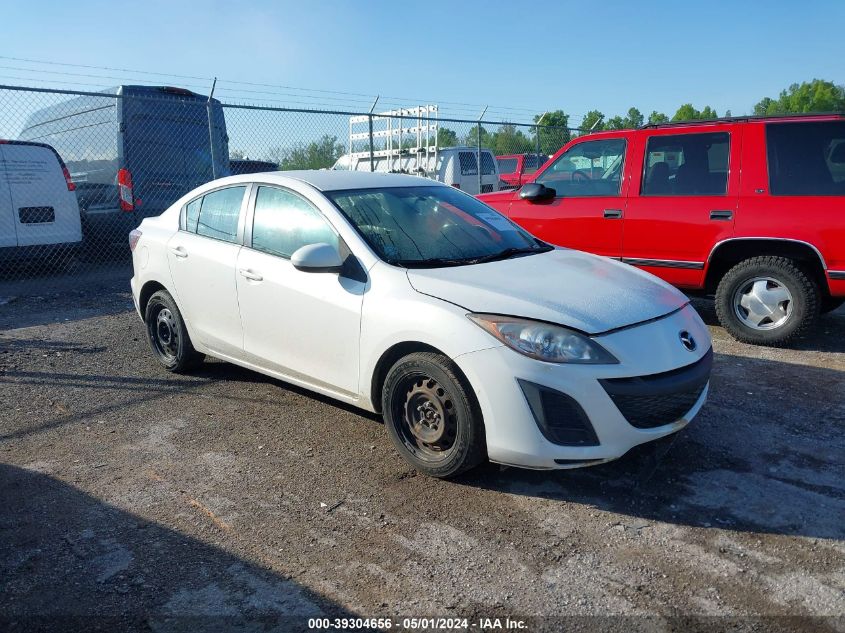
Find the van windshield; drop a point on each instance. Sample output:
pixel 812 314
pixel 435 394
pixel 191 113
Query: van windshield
pixel 432 226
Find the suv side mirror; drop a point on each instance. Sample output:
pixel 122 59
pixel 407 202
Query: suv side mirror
pixel 317 258
pixel 534 192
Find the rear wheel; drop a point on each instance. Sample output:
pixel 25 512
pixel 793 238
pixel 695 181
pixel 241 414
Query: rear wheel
pixel 431 415
pixel 767 301
pixel 168 335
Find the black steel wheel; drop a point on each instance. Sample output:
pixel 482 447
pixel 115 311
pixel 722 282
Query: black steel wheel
pixel 168 335
pixel 432 416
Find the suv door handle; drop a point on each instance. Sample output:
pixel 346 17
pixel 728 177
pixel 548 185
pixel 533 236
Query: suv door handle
pixel 721 215
pixel 613 214
pixel 245 272
pixel 179 251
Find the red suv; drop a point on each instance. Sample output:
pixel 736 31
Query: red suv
pixel 749 209
pixel 516 169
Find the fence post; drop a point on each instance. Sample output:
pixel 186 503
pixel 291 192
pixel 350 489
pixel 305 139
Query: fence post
pixel 478 146
pixel 211 131
pixel 539 121
pixel 372 153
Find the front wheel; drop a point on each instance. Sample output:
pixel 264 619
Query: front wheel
pixel 168 335
pixel 767 301
pixel 432 416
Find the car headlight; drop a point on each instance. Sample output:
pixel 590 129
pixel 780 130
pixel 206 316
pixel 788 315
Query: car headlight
pixel 544 341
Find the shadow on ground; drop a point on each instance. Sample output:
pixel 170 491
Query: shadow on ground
pixel 767 460
pixel 70 562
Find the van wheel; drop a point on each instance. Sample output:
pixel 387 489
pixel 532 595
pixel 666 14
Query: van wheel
pixel 168 335
pixel 432 416
pixel 767 301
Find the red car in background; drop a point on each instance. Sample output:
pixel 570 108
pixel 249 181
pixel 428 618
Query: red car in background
pixel 517 169
pixel 749 209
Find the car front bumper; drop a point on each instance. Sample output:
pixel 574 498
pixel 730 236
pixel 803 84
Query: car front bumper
pixel 652 360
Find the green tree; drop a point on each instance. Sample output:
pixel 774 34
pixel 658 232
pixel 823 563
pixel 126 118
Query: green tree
pixel 553 130
pixel 708 113
pixel 615 123
pixel 446 137
pixel 508 139
pixel 656 118
pixel 592 121
pixel 686 113
pixel 319 154
pixel 817 95
pixel 634 119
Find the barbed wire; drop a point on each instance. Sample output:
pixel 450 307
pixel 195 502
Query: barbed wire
pixel 315 96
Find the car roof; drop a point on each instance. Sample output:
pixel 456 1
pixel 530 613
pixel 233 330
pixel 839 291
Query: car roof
pixel 335 180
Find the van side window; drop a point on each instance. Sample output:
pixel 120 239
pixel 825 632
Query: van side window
pixel 219 213
pixel 806 159
pixel 591 168
pixel 469 166
pixel 686 165
pixel 285 222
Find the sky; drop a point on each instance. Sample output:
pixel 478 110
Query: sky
pixel 517 58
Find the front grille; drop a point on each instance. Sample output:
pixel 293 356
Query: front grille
pixel 651 401
pixel 559 417
pixel 486 188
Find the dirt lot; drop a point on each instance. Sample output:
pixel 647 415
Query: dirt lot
pixel 229 500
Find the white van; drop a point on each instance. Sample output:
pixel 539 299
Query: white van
pixel 455 166
pixel 39 213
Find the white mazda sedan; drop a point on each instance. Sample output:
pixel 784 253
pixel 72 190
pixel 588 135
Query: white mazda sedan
pixel 400 295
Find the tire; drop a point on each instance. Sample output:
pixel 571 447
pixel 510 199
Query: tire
pixel 168 336
pixel 767 301
pixel 432 416
pixel 829 304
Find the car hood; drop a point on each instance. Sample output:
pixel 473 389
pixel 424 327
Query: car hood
pixel 585 292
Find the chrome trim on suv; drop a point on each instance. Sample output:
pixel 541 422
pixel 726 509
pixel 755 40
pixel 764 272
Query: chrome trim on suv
pixel 774 239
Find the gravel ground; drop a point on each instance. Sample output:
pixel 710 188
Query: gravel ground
pixel 137 500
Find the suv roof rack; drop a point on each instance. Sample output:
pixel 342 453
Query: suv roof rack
pixel 749 117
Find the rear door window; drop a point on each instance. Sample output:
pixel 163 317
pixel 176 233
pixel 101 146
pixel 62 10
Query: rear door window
pixel 469 165
pixel 219 214
pixel 806 159
pixel 686 165
pixel 488 164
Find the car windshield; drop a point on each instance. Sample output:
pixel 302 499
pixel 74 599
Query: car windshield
pixel 432 226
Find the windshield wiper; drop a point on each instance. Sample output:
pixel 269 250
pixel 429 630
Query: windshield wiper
pixel 510 252
pixel 434 262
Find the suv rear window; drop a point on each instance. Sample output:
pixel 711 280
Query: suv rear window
pixel 507 165
pixel 687 165
pixel 806 159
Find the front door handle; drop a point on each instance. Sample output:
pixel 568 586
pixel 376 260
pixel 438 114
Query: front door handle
pixel 245 272
pixel 179 251
pixel 721 215
pixel 613 214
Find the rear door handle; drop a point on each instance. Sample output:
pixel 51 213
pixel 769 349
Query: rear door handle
pixel 613 214
pixel 721 215
pixel 179 252
pixel 245 272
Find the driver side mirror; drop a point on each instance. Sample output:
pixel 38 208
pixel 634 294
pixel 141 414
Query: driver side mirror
pixel 534 192
pixel 317 258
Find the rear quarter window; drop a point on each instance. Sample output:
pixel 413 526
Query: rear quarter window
pixel 806 158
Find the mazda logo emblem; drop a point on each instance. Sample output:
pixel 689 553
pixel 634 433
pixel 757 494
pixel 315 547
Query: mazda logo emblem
pixel 687 340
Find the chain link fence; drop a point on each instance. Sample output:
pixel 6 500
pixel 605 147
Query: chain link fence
pixel 79 170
